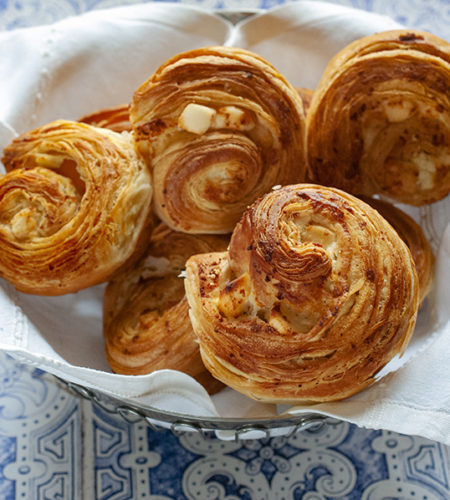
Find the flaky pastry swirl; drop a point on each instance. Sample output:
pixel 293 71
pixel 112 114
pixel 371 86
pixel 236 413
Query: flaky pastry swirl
pixel 219 126
pixel 117 118
pixel 379 121
pixel 306 96
pixel 414 237
pixel 74 207
pixel 315 295
pixel 146 315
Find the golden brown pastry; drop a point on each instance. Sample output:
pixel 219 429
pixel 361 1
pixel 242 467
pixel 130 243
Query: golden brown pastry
pixel 219 127
pixel 117 118
pixel 315 295
pixel 379 121
pixel 306 96
pixel 146 315
pixel 411 233
pixel 74 207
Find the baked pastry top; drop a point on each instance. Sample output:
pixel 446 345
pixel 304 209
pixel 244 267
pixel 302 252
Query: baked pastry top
pixel 379 121
pixel 315 295
pixel 306 96
pixel 116 118
pixel 146 322
pixel 414 237
pixel 318 289
pixel 75 206
pixel 218 126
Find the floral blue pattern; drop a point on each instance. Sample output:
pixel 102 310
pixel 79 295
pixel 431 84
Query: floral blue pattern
pixel 39 435
pixel 56 446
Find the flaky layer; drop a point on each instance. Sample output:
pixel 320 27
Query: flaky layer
pixel 219 127
pixel 412 234
pixel 315 295
pixel 116 118
pixel 379 121
pixel 74 207
pixel 306 96
pixel 146 320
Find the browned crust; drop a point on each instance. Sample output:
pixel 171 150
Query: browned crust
pixel 146 321
pixel 231 165
pixel 379 121
pixel 412 234
pixel 73 207
pixel 316 294
pixel 116 118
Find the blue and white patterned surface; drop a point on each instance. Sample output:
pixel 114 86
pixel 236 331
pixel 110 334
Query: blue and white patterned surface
pixel 431 15
pixel 56 446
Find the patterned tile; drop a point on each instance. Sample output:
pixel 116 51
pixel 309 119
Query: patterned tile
pixel 55 446
pixel 40 435
pixel 336 461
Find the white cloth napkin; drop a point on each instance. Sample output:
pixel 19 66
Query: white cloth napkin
pixel 97 60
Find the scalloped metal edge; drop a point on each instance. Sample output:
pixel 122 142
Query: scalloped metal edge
pixel 224 428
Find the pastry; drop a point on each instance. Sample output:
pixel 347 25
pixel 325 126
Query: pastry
pixel 379 121
pixel 306 96
pixel 219 126
pixel 75 205
pixel 412 234
pixel 316 294
pixel 117 118
pixel 146 320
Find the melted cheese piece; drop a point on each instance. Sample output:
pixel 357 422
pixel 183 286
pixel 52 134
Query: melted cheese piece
pixel 196 118
pixel 232 117
pixel 398 110
pixel 427 170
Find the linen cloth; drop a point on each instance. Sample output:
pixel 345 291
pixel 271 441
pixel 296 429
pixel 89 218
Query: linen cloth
pixel 97 60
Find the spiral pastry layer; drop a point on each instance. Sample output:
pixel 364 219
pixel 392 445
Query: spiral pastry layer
pixel 219 127
pixel 75 205
pixel 379 121
pixel 306 96
pixel 411 233
pixel 116 119
pixel 315 295
pixel 146 314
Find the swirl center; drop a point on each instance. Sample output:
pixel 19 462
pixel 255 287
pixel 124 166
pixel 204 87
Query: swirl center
pixel 37 203
pixel 302 253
